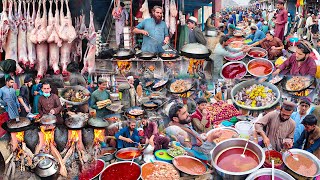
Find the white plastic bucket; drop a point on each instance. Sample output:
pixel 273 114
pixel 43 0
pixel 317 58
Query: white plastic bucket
pixel 244 129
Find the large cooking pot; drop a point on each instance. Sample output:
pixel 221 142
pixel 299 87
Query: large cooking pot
pixel 261 51
pixel 169 54
pixel 304 153
pixel 137 159
pixel 236 142
pixel 98 122
pixel 76 121
pixel 107 154
pixel 246 84
pixel 75 88
pixel 195 50
pixel 262 63
pixel 120 170
pixel 46 165
pixel 146 55
pixel 123 54
pixel 267 172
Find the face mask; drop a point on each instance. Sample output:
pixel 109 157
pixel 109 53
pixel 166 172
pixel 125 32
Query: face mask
pixel 46 94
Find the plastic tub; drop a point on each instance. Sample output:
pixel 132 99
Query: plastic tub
pixel 244 128
pixel 273 153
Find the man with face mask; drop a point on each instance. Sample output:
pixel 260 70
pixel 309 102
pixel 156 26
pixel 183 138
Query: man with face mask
pixel 279 127
pixel 24 97
pixel 9 100
pixel 152 136
pixel 180 117
pixel 299 63
pixel 310 135
pixel 50 103
pixel 156 28
pixel 128 136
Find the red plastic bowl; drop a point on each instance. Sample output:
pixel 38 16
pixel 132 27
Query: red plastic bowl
pixel 273 153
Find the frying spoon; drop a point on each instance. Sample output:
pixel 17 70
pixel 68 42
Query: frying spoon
pixel 295 158
pixel 245 148
pixel 272 169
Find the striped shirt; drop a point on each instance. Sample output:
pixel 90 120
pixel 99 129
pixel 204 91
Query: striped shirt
pixel 276 130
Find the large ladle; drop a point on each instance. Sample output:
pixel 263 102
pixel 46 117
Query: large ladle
pixel 165 47
pixel 245 147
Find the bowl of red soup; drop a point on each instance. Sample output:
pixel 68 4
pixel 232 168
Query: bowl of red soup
pixel 127 154
pixel 301 164
pixel 121 170
pixel 260 67
pixel 266 174
pixel 228 162
pixel 276 157
pixel 233 70
pixel 92 171
pixel 257 52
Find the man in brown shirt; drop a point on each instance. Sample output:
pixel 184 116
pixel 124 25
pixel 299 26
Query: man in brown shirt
pixel 272 44
pixel 50 103
pixel 279 127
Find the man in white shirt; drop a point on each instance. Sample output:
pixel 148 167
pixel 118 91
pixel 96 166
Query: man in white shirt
pixel 309 22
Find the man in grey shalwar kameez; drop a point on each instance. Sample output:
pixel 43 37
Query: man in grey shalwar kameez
pixel 9 100
pixel 121 17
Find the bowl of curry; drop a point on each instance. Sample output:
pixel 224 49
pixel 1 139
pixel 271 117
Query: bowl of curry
pixel 121 170
pixel 257 52
pixel 260 67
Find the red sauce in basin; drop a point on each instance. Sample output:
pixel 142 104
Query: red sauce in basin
pixel 92 170
pixel 128 154
pixel 259 68
pixel 267 177
pixel 257 54
pixel 235 70
pixel 121 171
pixel 231 160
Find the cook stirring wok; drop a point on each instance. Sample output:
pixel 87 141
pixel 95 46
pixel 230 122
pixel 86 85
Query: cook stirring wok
pixel 156 28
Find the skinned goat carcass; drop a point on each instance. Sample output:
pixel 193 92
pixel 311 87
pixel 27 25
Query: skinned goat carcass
pixel 54 40
pixel 31 47
pixel 89 57
pixel 42 46
pixel 65 56
pixel 167 14
pixel 145 10
pixel 11 46
pixel 22 35
pixel 173 15
pixel 4 25
pixel 37 23
pixel 66 31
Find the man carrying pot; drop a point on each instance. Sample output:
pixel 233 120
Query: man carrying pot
pixel 279 127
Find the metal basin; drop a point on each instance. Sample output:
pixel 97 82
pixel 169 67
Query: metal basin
pixel 195 50
pixel 304 153
pixel 145 164
pixel 229 65
pixel 245 84
pixel 98 122
pixel 103 175
pixel 236 142
pixel 75 88
pixel 257 49
pixel 267 171
pixel 129 149
pixel 107 154
pixel 263 61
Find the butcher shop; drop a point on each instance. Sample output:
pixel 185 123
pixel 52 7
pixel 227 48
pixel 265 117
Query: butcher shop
pixel 155 90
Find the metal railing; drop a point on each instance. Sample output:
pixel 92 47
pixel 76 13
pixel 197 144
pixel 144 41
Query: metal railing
pixel 107 23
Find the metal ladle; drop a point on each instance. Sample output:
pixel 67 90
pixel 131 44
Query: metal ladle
pixel 165 47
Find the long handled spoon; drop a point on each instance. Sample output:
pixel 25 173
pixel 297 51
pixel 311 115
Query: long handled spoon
pixel 272 169
pixel 133 159
pixel 295 158
pixel 244 150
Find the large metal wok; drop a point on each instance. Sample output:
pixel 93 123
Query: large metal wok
pixel 146 55
pixel 196 51
pixel 245 84
pixel 168 55
pixel 124 54
pixel 76 88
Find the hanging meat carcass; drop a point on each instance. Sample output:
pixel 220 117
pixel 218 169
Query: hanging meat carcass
pixel 89 56
pixel 145 10
pixel 167 14
pixel 4 25
pixel 173 15
pixel 42 46
pixel 22 35
pixel 11 45
pixel 31 47
pixel 54 40
pixel 66 31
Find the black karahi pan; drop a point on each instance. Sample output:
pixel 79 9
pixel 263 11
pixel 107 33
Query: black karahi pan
pixel 182 92
pixel 175 55
pixel 157 86
pixel 146 55
pixel 123 54
pixel 287 78
pixel 132 108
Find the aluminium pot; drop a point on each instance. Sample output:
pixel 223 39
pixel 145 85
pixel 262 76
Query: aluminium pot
pixel 146 55
pixel 129 149
pixel 304 153
pixel 46 166
pixel 236 142
pixel 267 172
pixel 108 154
pixel 123 54
pixel 195 50
pixel 259 50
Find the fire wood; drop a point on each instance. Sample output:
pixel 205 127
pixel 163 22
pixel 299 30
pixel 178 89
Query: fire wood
pixel 29 161
pixel 9 158
pixel 13 141
pixel 13 170
pixel 41 143
pixel 22 167
pixel 80 157
pixel 27 150
pixel 69 153
pixel 56 154
pixel 80 143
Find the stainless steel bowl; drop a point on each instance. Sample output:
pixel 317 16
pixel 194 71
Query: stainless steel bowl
pixel 267 171
pixel 258 49
pixel 245 84
pixel 174 162
pixel 106 156
pixel 304 153
pixel 222 128
pixel 76 88
pixel 260 60
pixel 236 49
pixel 230 63
pixel 195 48
pixel 136 159
pixel 154 162
pixel 236 142
pixel 114 97
pixel 122 162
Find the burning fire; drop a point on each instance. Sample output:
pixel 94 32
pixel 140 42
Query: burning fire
pixel 20 136
pixel 74 135
pixel 99 136
pixel 124 65
pixel 302 93
pixel 48 136
pixel 195 64
pixel 19 153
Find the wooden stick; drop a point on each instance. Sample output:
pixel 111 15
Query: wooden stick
pixel 27 150
pixel 9 158
pixel 22 168
pixel 13 170
pixel 69 153
pixel 55 153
